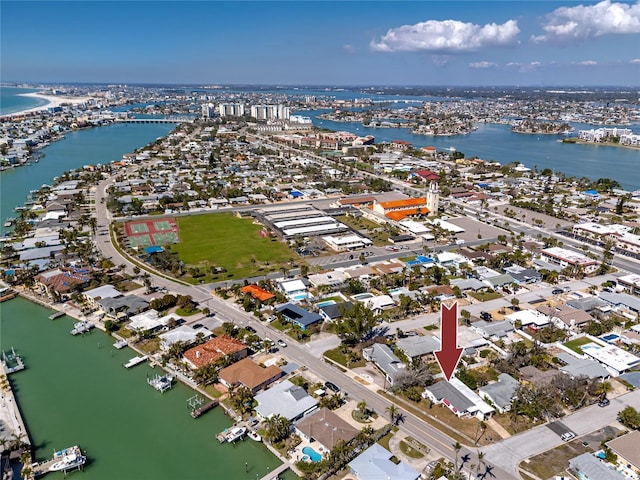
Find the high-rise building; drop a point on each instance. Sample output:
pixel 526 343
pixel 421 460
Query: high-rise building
pixel 208 110
pixel 231 109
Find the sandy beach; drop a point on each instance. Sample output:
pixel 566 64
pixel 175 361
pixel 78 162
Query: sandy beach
pixel 54 101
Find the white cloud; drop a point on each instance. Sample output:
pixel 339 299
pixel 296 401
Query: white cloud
pixel 349 48
pixel 635 60
pixel 483 65
pixel 447 36
pixel 587 63
pixel 523 67
pixel 582 22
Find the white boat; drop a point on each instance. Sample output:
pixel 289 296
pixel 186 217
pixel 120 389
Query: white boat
pixel 254 436
pixel 120 344
pixel 68 462
pixel 81 327
pixel 135 361
pixel 235 434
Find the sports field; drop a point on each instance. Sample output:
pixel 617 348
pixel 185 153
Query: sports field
pixel 142 234
pixel 224 240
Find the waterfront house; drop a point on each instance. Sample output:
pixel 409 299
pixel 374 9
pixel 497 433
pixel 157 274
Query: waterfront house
pixel 60 282
pixel 215 349
pixel 249 374
pixel 184 334
pixel 122 307
pixel 104 291
pixel 286 399
pixel 376 463
pixel 150 321
pixel 325 429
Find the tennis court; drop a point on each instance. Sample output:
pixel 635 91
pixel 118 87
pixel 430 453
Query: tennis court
pixel 165 238
pixel 139 241
pixel 163 225
pixel 146 233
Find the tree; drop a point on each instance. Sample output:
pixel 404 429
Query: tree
pixel 392 410
pixel 242 400
pixel 277 428
pixel 630 418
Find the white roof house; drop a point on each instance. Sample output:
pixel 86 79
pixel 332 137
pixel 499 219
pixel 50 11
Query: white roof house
pixel 375 464
pixel 184 333
pixel 150 320
pixel 286 399
pixel 293 286
pixel 529 317
pixel 613 358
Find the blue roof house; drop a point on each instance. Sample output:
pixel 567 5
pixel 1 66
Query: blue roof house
pixel 298 316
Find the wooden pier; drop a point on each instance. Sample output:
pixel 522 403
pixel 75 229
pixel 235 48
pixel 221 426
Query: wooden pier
pixel 204 408
pixel 53 316
pixel 275 474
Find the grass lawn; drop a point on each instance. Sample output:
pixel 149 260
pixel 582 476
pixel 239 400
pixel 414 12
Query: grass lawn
pixel 554 462
pixel 410 451
pixel 337 356
pixel 183 312
pixel 485 296
pixel 577 343
pixel 224 240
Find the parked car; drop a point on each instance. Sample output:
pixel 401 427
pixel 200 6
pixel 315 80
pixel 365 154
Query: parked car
pixel 332 386
pixel 604 402
pixel 282 343
pixel 196 325
pixel 557 291
pixel 249 328
pixel 568 436
pixel 486 316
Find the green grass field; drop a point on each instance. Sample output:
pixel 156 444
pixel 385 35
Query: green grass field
pixel 577 343
pixel 224 240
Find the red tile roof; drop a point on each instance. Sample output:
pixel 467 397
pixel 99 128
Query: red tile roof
pixel 212 350
pixel 257 292
pixel 408 202
pixel 250 374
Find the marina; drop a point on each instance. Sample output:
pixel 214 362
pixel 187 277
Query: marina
pixel 12 362
pixel 137 360
pixel 7 294
pixel 162 383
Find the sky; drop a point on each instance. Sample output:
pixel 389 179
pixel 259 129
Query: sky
pixel 418 43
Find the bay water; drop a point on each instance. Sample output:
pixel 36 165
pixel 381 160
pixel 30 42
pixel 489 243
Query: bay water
pixel 75 390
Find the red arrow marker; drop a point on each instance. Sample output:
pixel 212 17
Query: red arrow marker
pixel 449 354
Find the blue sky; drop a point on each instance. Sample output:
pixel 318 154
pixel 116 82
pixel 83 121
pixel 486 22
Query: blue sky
pixel 526 43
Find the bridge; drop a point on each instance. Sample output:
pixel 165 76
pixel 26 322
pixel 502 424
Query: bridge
pixel 156 120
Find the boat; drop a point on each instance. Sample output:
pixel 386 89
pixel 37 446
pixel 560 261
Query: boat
pixel 235 434
pixel 137 360
pixel 120 344
pixel 255 436
pixel 67 459
pixel 162 383
pixel 81 327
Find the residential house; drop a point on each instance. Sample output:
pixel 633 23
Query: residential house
pixel 60 282
pixel 627 449
pixel 215 349
pixel 579 367
pixel 119 308
pixel 258 293
pixel 335 311
pixel 532 319
pixel 566 317
pixel 589 467
pixel 375 463
pixel 150 321
pixel 500 393
pixel 249 374
pixel 184 334
pixel 384 358
pixel 105 291
pixel 418 346
pixel 298 316
pixel 493 330
pixel 286 399
pixel 458 398
pixel 325 429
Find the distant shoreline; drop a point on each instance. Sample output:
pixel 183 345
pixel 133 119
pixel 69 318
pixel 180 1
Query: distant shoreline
pixel 52 101
pixel 600 144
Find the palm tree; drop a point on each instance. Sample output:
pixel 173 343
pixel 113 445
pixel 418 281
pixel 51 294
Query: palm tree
pixel 603 389
pixel 480 462
pixel 392 410
pixel 457 447
pixel 362 407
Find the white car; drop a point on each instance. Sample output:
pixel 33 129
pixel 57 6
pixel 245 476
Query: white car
pixel 568 436
pixel 282 343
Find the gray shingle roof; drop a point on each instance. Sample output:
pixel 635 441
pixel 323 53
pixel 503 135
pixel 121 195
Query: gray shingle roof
pixel 502 391
pixel 417 346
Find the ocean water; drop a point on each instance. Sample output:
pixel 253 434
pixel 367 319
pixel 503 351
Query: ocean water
pixel 11 101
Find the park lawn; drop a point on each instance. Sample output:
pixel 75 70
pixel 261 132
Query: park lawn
pixel 224 240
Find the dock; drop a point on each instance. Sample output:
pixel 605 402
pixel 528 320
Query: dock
pixel 204 408
pixel 275 474
pixel 7 294
pixel 120 344
pixel 137 360
pixel 73 453
pixel 81 327
pixel 162 383
pixel 53 316
pixel 11 363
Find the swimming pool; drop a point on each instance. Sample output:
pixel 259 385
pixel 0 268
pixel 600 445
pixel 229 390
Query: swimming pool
pixel 313 455
pixel 611 337
pixel 362 296
pixel 325 303
pixel 299 297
